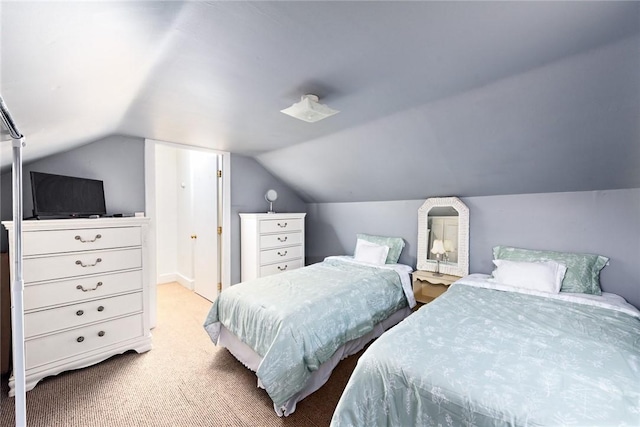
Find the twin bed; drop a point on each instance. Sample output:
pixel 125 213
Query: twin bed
pixel 535 343
pixel 293 328
pixel 487 352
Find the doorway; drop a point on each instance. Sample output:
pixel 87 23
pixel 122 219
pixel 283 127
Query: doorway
pixel 188 206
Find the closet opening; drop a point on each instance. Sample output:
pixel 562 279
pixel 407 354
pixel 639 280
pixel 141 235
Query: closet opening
pixel 187 199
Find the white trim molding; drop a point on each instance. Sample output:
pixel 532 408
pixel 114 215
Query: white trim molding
pixel 185 281
pixel 423 263
pixel 150 210
pixel 167 278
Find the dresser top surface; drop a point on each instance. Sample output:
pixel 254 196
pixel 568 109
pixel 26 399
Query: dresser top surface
pixel 272 215
pixel 66 224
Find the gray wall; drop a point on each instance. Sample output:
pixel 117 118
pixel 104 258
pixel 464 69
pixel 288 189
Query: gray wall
pixel 602 222
pixel 119 162
pixel 249 182
pixel 116 160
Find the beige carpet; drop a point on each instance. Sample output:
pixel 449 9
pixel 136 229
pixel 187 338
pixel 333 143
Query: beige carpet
pixel 185 380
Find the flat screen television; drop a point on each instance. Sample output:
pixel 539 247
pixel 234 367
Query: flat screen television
pixel 66 196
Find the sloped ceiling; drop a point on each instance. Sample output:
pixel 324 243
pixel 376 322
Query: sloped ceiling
pixel 436 98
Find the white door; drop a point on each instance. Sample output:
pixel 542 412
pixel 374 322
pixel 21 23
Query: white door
pixel 204 176
pixel 445 228
pixel 169 203
pixel 451 239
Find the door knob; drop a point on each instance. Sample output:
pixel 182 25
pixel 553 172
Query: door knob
pixel 193 236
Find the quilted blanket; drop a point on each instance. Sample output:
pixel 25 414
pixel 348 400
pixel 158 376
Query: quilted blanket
pixel 296 320
pixel 485 357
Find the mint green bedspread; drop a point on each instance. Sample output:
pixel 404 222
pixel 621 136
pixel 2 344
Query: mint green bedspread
pixel 482 357
pixel 296 320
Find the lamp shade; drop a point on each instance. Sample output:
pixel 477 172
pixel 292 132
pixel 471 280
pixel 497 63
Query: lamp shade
pixel 309 109
pixel 438 247
pixel 448 246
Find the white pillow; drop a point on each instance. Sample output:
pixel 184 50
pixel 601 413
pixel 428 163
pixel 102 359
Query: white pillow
pixel 542 276
pixel 370 252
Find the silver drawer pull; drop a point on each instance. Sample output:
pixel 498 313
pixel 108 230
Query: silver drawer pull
pixel 282 268
pixel 80 339
pixel 282 254
pixel 79 313
pixel 89 289
pixel 98 236
pixel 78 262
pixel 101 333
pixel 282 240
pixel 282 226
pixel 101 308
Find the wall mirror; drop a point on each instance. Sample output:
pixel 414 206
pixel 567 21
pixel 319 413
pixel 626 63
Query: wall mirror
pixel 443 236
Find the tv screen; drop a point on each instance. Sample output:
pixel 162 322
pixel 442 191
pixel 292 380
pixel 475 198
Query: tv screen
pixel 62 196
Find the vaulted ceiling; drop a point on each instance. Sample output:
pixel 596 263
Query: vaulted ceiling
pixel 435 98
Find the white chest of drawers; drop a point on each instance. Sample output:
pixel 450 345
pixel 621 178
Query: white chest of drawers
pixel 85 292
pixel 270 243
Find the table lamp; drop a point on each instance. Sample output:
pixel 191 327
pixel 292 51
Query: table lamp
pixel 438 250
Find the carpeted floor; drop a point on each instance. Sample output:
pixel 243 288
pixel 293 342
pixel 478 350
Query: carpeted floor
pixel 185 380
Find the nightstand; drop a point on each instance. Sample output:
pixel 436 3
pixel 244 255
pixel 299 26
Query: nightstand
pixel 428 286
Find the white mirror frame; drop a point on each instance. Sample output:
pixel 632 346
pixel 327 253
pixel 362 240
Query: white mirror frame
pixel 425 264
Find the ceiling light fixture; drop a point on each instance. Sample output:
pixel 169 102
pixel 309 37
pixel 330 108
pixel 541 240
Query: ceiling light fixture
pixel 309 109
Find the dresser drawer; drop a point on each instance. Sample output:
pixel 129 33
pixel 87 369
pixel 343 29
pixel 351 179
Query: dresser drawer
pixel 280 267
pixel 280 225
pixel 73 316
pixel 84 239
pixel 282 254
pixel 50 348
pixel 81 263
pixel 281 239
pixel 81 288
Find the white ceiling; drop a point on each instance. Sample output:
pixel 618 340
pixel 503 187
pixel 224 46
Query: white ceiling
pixel 436 98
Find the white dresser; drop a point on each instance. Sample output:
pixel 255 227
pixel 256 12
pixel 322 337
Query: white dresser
pixel 85 292
pixel 271 243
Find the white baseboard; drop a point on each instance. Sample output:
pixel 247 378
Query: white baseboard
pixel 167 278
pixel 176 277
pixel 185 281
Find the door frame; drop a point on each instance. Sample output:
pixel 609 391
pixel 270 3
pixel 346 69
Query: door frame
pixel 150 209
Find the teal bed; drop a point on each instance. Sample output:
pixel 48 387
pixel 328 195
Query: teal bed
pixel 293 328
pixel 483 355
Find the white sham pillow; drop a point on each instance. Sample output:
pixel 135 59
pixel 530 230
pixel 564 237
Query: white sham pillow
pixel 370 252
pixel 542 276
